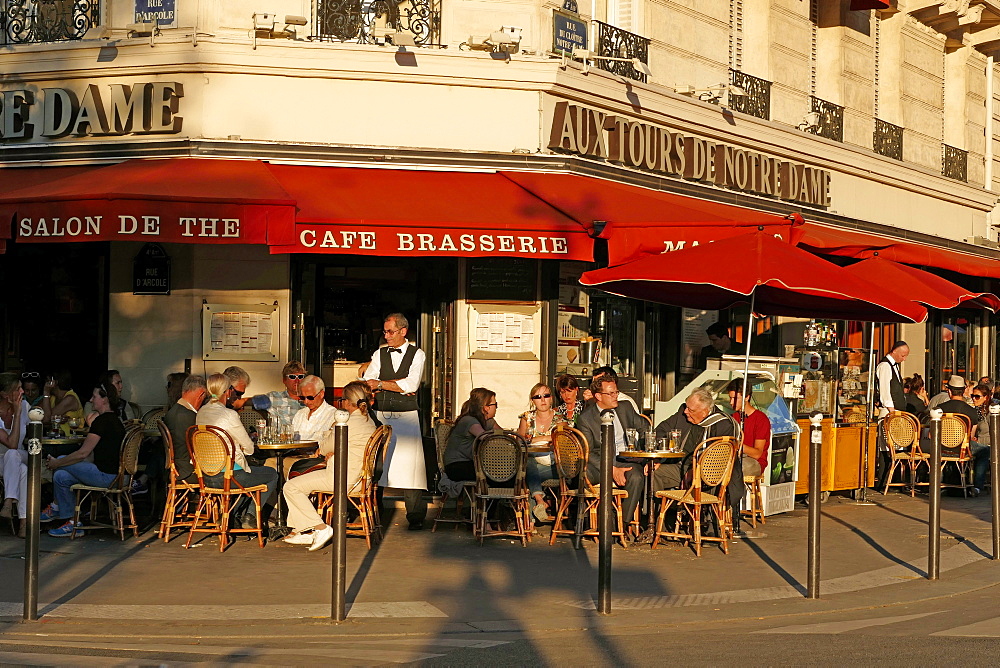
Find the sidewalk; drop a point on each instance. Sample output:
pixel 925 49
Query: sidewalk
pixel 421 582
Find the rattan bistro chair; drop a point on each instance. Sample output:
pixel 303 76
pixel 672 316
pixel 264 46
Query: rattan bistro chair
pixel 180 495
pixel 152 418
pixel 571 450
pixel 442 430
pixel 755 500
pixel 713 464
pixel 212 451
pixel 955 448
pixel 117 494
pixel 500 461
pixel 902 435
pixel 361 495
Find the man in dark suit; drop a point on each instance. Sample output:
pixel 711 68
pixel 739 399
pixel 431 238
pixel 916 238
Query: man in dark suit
pixel 625 474
pixel 179 418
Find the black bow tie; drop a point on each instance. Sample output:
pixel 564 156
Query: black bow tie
pixel 395 350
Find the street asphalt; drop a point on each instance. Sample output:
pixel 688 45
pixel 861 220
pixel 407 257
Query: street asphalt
pixel 159 602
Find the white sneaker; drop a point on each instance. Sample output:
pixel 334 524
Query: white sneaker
pixel 299 539
pixel 321 538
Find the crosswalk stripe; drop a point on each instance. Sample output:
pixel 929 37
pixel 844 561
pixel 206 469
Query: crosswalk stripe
pixel 987 628
pixel 844 626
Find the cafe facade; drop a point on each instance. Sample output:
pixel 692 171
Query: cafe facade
pixel 185 198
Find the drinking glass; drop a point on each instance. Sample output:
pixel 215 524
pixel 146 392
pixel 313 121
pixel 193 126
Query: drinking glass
pixel 632 439
pixel 675 440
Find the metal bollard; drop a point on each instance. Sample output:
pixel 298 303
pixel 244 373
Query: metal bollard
pixel 994 422
pixel 34 502
pixel 339 597
pixel 815 464
pixel 604 515
pixel 934 520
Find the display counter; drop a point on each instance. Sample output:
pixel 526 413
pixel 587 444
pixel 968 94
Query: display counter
pixel 843 456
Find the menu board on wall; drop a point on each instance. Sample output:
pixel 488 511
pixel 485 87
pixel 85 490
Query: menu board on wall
pixel 503 332
pixel 506 279
pixel 239 332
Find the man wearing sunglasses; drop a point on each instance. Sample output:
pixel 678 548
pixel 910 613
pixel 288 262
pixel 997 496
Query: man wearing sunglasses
pixel 316 417
pixel 286 403
pixel 394 375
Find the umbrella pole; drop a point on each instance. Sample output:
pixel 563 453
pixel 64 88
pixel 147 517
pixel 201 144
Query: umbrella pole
pixel 746 358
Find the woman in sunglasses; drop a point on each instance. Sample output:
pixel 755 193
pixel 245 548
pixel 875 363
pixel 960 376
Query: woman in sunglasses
pixel 32 385
pixel 536 426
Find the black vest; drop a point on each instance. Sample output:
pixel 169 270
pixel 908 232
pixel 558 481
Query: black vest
pixel 394 402
pixel 896 392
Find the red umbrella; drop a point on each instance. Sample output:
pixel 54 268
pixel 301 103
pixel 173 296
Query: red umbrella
pixel 921 286
pixel 773 276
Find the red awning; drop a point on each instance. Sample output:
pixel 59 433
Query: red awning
pixel 424 213
pixel 169 200
pixel 15 178
pixel 858 5
pixel 827 240
pixel 641 220
pixel 780 279
pixel 921 286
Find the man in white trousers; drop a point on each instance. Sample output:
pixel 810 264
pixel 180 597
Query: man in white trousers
pixel 394 375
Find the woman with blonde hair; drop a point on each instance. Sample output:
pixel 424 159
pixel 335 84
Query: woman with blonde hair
pixel 536 426
pixel 215 413
pixel 302 515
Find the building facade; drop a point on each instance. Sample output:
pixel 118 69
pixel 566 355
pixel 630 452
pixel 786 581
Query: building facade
pixel 332 161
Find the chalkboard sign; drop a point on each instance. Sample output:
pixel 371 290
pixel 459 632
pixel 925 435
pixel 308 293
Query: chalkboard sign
pixel 501 280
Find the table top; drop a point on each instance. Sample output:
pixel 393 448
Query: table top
pixel 62 440
pixel 540 448
pixel 653 455
pixel 291 445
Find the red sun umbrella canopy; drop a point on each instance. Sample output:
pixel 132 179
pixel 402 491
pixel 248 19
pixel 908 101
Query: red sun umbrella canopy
pixel 783 280
pixel 921 286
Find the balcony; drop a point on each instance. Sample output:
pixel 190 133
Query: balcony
pixel 367 21
pixel 31 21
pixel 757 101
pixel 887 140
pixel 954 163
pixel 831 119
pixel 617 43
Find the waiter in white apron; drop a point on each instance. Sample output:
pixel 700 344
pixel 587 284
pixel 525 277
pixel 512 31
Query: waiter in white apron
pixel 394 375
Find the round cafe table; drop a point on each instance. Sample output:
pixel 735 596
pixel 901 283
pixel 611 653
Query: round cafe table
pixel 280 450
pixel 57 446
pixel 651 459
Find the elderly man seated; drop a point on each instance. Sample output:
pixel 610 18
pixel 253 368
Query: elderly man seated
pixel 698 419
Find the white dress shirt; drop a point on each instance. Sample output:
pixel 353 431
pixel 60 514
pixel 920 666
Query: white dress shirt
pixel 312 427
pixel 215 414
pixel 884 373
pixel 411 382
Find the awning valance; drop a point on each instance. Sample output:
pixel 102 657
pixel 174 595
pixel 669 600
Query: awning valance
pixel 170 200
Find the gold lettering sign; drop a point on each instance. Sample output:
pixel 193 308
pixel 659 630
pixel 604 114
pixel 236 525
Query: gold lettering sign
pixel 622 140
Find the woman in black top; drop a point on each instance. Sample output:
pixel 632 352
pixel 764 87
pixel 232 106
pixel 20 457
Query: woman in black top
pixel 916 396
pixel 476 417
pixel 105 442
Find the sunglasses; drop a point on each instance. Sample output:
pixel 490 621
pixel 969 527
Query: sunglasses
pixel 295 376
pixel 29 374
pixel 236 393
pixel 542 396
pixel 977 396
pixel 308 397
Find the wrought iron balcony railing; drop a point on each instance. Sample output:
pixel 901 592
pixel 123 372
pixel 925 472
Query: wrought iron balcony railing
pixel 617 43
pixel 367 21
pixel 954 163
pixel 757 101
pixel 28 21
pixel 888 139
pixel 831 119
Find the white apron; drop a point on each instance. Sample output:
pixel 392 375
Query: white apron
pixel 404 456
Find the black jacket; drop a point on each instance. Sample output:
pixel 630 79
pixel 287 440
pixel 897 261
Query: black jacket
pixel 589 422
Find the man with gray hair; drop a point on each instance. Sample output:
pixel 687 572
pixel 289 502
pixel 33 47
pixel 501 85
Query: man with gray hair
pixel 239 379
pixel 179 417
pixel 316 418
pixel 394 375
pixel 698 419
